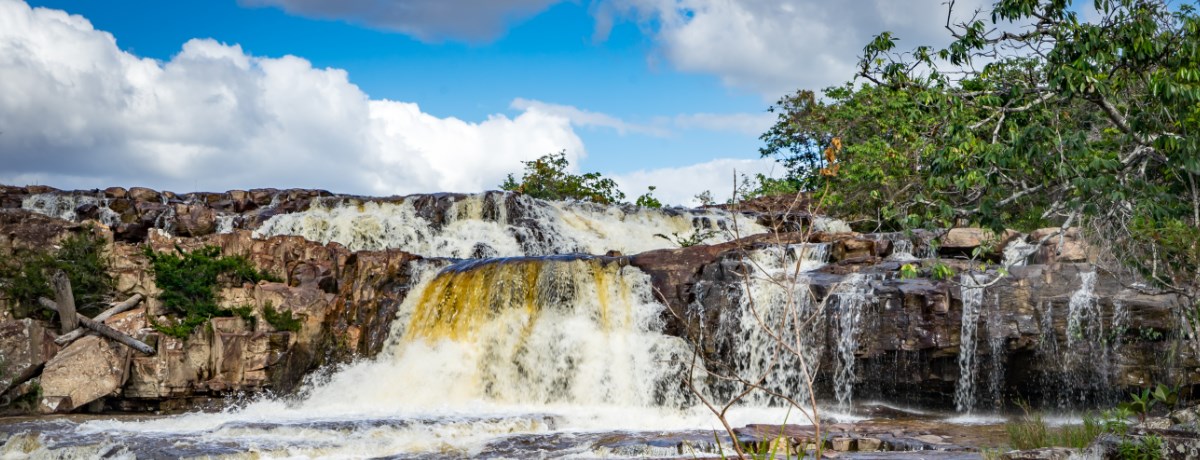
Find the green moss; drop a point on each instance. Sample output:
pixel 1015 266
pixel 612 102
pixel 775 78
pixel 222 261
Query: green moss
pixel 189 282
pixel 24 275
pixel 280 320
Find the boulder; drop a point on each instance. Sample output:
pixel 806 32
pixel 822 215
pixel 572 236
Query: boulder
pixel 88 369
pixel 963 241
pixel 25 345
pixel 144 194
pixel 1069 246
pixel 195 219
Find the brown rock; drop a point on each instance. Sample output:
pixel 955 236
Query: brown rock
pixel 869 444
pixel 144 194
pixel 88 369
pixel 25 345
pixel 844 444
pixel 115 192
pixel 969 238
pixel 195 220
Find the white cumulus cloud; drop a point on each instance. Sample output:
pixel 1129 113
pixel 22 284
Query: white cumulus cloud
pixel 428 20
pixel 76 111
pixel 774 47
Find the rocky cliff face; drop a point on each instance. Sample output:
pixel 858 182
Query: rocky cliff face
pixel 1054 330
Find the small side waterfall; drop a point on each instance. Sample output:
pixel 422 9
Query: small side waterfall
pixel 1017 252
pixel 972 301
pixel 771 339
pixel 65 206
pixel 996 348
pixel 1086 357
pixel 852 298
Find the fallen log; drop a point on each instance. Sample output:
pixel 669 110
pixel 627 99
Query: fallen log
pixel 106 314
pixel 65 300
pixel 103 330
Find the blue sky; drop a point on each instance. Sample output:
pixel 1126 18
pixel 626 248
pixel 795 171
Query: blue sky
pixel 666 92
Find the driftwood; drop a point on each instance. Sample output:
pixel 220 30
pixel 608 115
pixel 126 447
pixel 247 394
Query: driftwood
pixel 65 300
pixel 106 314
pixel 103 330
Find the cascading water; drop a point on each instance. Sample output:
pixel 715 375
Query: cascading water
pixel 902 246
pixel 496 224
pixel 851 298
pixel 64 206
pixel 972 301
pixel 1017 252
pixel 1086 356
pixel 226 223
pixel 774 341
pixel 996 344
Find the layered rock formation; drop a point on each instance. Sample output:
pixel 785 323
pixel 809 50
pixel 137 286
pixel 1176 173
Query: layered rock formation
pixel 1053 330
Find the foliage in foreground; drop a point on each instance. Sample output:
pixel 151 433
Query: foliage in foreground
pixel 24 276
pixel 189 282
pixel 1032 432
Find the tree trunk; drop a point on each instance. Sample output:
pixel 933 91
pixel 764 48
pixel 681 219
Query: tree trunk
pixel 65 300
pixel 104 330
pixel 106 314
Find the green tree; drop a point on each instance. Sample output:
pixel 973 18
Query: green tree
pixel 1060 122
pixel 24 275
pixel 547 178
pixel 648 200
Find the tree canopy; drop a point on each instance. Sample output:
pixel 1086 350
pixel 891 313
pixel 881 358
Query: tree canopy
pixel 1031 117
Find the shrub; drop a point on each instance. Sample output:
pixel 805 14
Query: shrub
pixel 280 320
pixel 547 178
pixel 24 276
pixel 648 200
pixel 189 282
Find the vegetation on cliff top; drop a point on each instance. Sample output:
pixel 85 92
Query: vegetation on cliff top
pixel 189 282
pixel 547 178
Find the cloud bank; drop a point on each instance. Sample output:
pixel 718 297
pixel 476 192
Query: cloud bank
pixel 77 112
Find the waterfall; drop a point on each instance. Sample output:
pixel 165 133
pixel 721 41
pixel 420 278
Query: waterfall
pixel 902 245
pixel 226 223
pixel 64 206
pixel 771 310
pixel 996 348
pixel 575 330
pixel 497 224
pixel 972 300
pixel 853 295
pixel 1083 313
pixel 1086 356
pixel 1017 252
